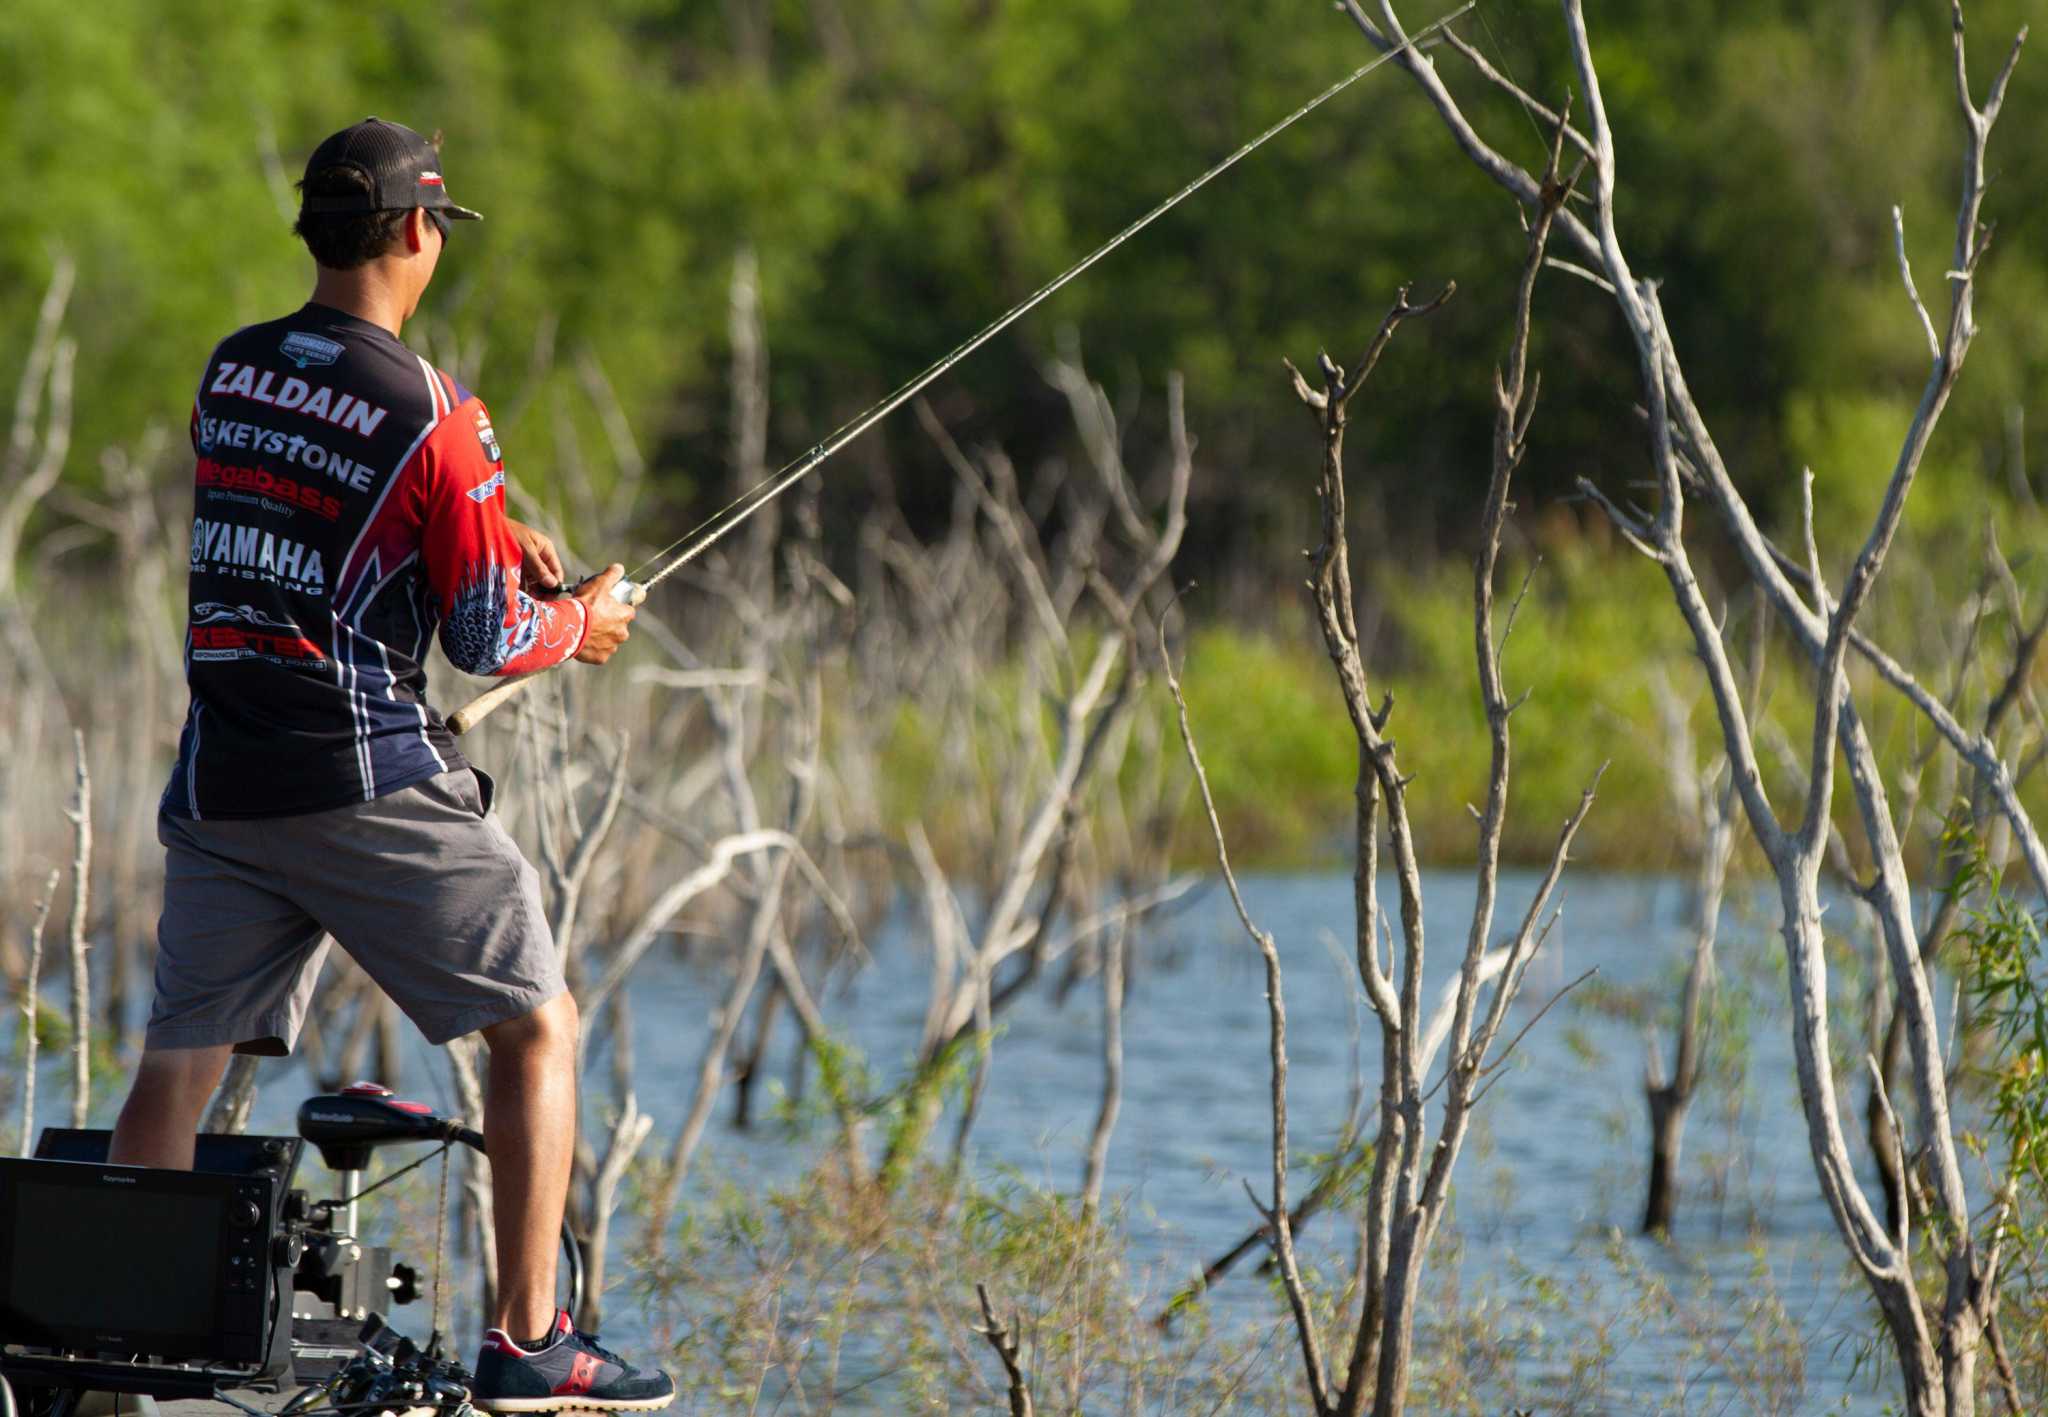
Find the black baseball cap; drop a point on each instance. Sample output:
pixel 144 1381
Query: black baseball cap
pixel 403 168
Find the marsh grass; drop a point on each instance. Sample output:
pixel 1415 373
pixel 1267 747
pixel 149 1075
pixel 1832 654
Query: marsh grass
pixel 822 1294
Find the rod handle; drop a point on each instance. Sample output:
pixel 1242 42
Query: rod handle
pixel 484 704
pixel 490 700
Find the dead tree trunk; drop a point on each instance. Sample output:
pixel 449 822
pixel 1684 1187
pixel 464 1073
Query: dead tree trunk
pixel 478 1210
pixel 38 442
pixel 1411 1172
pixel 1112 1068
pixel 235 1097
pixel 1707 801
pixel 81 970
pixel 1092 691
pixel 1949 898
pixel 755 1058
pixel 133 719
pixel 1936 1350
pixel 31 1001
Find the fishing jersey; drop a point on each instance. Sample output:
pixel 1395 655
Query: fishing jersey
pixel 348 503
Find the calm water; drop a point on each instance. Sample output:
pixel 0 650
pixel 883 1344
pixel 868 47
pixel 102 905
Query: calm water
pixel 1549 1187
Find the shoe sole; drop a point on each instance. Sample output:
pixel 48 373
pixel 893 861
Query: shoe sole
pixel 563 1402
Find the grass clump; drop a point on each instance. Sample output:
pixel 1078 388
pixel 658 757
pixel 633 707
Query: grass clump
pixel 827 1294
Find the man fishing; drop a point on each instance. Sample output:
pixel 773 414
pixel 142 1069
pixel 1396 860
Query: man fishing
pixel 349 503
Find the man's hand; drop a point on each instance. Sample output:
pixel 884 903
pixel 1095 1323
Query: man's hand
pixel 608 617
pixel 541 565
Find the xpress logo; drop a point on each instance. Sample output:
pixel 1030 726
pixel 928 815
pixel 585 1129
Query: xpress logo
pixel 483 490
pixel 305 350
pixel 221 633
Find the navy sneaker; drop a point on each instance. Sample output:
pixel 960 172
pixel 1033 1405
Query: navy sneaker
pixel 570 1372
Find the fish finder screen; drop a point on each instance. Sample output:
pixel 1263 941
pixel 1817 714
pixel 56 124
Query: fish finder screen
pixel 113 1261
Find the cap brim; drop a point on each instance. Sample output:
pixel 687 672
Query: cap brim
pixel 459 213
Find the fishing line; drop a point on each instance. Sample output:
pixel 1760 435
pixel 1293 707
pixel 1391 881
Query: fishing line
pixel 1500 60
pixel 708 533
pixel 685 549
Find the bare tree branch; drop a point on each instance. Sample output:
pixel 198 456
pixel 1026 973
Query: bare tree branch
pixel 29 1001
pixel 1277 1215
pixel 80 814
pixel 1005 1342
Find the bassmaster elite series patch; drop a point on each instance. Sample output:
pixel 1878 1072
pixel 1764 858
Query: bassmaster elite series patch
pixel 488 438
pixel 303 349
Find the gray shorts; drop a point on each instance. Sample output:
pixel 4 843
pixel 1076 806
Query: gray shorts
pixel 425 891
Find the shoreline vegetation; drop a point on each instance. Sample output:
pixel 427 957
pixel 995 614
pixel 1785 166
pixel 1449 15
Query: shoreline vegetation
pixel 1598 678
pixel 1599 674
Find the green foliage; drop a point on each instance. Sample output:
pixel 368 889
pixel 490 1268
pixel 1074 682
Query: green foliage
pixel 1282 760
pixel 53 1028
pixel 906 168
pixel 2002 944
pixel 1593 622
pixel 1275 743
pixel 2003 970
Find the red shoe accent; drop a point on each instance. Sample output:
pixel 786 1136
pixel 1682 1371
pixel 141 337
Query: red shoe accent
pixel 580 1378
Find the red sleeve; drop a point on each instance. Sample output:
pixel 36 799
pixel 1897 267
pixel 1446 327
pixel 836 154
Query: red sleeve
pixel 488 624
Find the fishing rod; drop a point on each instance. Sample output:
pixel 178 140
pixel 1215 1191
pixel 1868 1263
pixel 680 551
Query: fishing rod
pixel 631 590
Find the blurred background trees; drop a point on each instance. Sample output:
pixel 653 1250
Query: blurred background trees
pixel 902 170
pixel 907 168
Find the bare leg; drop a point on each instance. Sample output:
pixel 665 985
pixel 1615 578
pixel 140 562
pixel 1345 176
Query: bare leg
pixel 530 1128
pixel 161 1115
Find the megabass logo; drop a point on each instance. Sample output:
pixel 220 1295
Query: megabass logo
pixel 266 484
pixel 245 381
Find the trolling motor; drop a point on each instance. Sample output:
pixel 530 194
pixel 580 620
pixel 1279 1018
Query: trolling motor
pixel 345 1127
pixel 185 1284
pixel 334 1266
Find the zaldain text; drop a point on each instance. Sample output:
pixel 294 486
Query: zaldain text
pixel 246 381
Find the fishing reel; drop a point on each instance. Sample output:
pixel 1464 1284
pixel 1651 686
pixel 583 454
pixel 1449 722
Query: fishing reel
pixel 626 592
